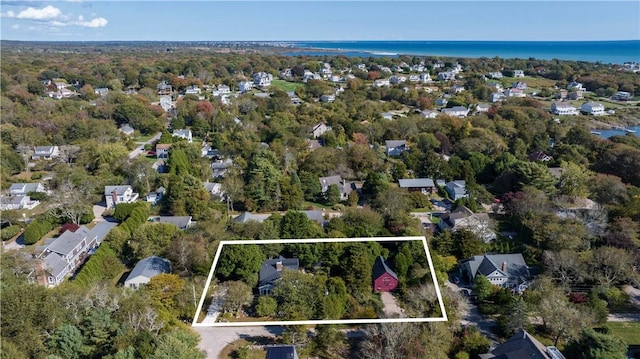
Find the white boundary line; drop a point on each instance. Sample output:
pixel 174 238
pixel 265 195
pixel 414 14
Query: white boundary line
pixel 444 317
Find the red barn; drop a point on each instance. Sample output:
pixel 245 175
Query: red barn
pixel 384 279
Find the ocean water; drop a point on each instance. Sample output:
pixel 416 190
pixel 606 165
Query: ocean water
pixel 616 52
pixel 617 132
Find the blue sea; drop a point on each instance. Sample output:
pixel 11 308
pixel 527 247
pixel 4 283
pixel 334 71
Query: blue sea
pixel 615 52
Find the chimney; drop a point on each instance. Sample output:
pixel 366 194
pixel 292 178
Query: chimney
pixel 279 266
pixel 114 196
pixel 504 266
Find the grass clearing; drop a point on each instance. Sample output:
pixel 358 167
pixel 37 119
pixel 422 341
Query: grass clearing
pixel 629 331
pixel 286 85
pixel 233 350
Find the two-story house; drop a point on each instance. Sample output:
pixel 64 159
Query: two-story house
pixel 184 134
pixel 463 218
pixel 45 152
pixel 395 147
pixel 119 194
pixel 262 79
pixel 503 270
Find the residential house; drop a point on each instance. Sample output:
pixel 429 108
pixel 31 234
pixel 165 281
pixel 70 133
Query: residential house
pixel 518 73
pixel 245 86
pixel 209 152
pixel 308 75
pixel 316 216
pixel 220 167
pixel 575 86
pixel 262 79
pixel 385 69
pixel 335 78
pixel 295 100
pixel 362 67
pixel 441 101
pixel 221 90
pixel 482 108
pixel 345 187
pixel 101 91
pixel 622 96
pixel 495 86
pixel 22 189
pixel 181 222
pixel 184 134
pixel 146 269
pixel 245 217
pixel 119 194
pixel 456 111
pixel 562 94
pixel 166 103
pixel 413 78
pixel 397 79
pixel 126 130
pixel 425 78
pixel 456 89
pixel 327 98
pixel 519 85
pixel 384 279
pixel 446 76
pixel 523 345
pixel 514 92
pixel 497 97
pixel 575 95
pixel 456 189
pixel 463 218
pixel 319 129
pixel 162 150
pixel 192 90
pixel 424 185
pixel 282 352
pixel 271 271
pixel 495 75
pixel 387 115
pixel 503 270
pixel 155 196
pixel 8 203
pixel 563 108
pixel 214 188
pixel 164 88
pixel 395 147
pixel 429 113
pixel 45 152
pixel 313 144
pixel 592 108
pixel 539 156
pixel 59 257
pixel 381 83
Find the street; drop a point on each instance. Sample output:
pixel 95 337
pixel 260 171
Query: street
pixel 140 148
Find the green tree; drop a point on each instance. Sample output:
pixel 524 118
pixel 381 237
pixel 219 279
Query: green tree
pixel 594 345
pixel 68 341
pixel 240 262
pixel 482 287
pixel 238 295
pixel 332 195
pixel 266 306
pixel 178 343
pixel 300 295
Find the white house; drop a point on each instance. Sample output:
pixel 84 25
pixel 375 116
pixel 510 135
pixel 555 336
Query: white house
pixel 344 186
pixel 425 77
pixel 126 130
pixel 576 86
pixel 119 194
pixel 496 97
pixel 518 73
pixel 262 79
pixel 429 113
pixel 514 92
pixel 482 108
pixel 145 270
pixel 456 89
pixel 245 86
pixel 327 98
pixel 166 103
pixel 463 218
pixel 456 111
pixel 24 188
pixel 183 133
pixel 45 152
pixel 563 108
pixel 413 78
pixel 319 129
pixel 381 83
pixel 519 85
pixel 446 76
pixel 593 108
pixel 495 75
pixel 397 79
pixel 192 90
pixel 8 203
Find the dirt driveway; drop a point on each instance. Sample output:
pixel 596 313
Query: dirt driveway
pixel 390 306
pixel 214 339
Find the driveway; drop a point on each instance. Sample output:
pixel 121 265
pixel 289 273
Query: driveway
pixel 390 306
pixel 214 339
pixel 140 148
pixel 98 210
pixel 474 318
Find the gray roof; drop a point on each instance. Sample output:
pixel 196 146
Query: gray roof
pixel 458 187
pixel 248 216
pixel 315 215
pixel 108 190
pixel 522 345
pixel 54 264
pixel 100 230
pixel 268 272
pixel 454 109
pixel 395 143
pixel 380 266
pixel 24 187
pixel 178 221
pixel 516 267
pixel 149 268
pixel 328 181
pixel 282 352
pixel 416 182
pixel 68 240
pixel 46 149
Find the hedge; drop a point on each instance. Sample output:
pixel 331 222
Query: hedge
pixel 102 265
pixel 9 232
pixel 36 230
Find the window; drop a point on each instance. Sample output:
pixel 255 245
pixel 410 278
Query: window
pixel 50 280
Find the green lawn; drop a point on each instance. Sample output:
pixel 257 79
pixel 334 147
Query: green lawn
pixel 286 85
pixel 629 331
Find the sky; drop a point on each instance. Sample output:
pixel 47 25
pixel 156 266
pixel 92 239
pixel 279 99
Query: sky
pixel 514 20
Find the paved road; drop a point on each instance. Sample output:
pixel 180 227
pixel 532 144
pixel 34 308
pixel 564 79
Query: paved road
pixel 140 149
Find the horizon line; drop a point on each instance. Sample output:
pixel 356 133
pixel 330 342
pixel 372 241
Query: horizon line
pixel 327 40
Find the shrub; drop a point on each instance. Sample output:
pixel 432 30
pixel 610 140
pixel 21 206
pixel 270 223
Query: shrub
pixel 103 265
pixel 9 232
pixel 36 230
pixel 266 306
pixel 36 176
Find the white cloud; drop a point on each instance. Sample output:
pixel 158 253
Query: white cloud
pixel 94 23
pixel 80 18
pixel 48 12
pixel 15 26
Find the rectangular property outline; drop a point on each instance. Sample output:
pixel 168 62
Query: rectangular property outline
pixel 444 317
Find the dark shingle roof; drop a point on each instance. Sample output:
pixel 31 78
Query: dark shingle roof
pixel 269 274
pixel 282 352
pixel 380 266
pixel 520 345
